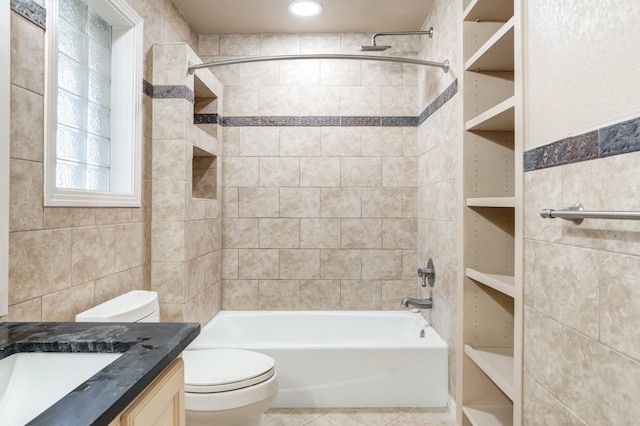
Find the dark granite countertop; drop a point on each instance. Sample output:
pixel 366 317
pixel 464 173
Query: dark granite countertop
pixel 147 349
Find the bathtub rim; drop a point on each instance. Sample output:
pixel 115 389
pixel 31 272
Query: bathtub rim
pixel 432 338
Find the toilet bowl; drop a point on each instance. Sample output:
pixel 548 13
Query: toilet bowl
pixel 226 387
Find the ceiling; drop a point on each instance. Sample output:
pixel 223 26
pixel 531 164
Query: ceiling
pixel 272 16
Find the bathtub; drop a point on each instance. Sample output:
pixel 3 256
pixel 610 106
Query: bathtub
pixel 340 358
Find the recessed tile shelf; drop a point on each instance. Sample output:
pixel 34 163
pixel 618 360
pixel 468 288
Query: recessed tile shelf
pixel 205 142
pixel 204 175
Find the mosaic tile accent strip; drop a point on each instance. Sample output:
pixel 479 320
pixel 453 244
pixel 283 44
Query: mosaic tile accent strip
pixel 442 99
pixel 31 11
pixel 172 92
pixel 315 121
pixel 320 121
pixel 620 138
pixel 147 88
pixel 280 121
pixel 360 121
pixel 175 92
pixel 240 121
pixel 205 118
pixel 399 121
pixel 616 139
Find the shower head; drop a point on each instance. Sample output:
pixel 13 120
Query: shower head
pixel 374 48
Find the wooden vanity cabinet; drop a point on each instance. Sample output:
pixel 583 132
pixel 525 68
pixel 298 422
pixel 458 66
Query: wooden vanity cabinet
pixel 161 403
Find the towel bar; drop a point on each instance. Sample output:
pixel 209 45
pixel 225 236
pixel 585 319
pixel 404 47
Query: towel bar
pixel 577 214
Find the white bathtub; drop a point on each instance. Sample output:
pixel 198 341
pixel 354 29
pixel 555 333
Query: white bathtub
pixel 340 358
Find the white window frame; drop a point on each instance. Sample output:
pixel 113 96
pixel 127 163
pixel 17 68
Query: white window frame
pixel 5 122
pixel 126 110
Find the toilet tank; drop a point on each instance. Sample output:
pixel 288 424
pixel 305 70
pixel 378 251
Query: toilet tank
pixel 135 306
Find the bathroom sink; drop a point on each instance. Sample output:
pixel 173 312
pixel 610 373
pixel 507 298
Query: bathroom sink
pixel 32 382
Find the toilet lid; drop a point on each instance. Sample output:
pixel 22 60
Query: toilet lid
pixel 220 370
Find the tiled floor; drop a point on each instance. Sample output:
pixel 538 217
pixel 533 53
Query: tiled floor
pixel 359 417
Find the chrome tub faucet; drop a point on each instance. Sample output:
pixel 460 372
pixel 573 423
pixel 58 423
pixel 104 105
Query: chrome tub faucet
pixel 418 303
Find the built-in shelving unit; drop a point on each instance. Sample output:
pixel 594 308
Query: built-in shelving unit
pixel 491 202
pixel 490 284
pixel 496 54
pixel 503 283
pixel 482 416
pixel 498 118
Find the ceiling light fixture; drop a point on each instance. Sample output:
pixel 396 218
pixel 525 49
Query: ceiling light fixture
pixel 305 8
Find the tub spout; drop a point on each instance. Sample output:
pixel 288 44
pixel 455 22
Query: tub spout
pixel 418 303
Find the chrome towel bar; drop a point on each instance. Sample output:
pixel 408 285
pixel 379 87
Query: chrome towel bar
pixel 577 213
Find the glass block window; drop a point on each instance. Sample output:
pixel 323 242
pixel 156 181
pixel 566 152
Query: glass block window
pixel 84 98
pixel 93 97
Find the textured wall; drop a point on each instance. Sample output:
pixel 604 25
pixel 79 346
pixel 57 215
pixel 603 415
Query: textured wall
pixel 438 175
pixel 317 217
pixel 583 66
pixel 65 260
pixel 582 300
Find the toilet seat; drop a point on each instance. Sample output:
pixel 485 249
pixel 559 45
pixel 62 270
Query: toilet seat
pixel 223 370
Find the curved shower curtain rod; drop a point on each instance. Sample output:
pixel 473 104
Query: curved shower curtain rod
pixel 444 65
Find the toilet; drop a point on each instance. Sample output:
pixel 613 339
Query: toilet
pixel 226 387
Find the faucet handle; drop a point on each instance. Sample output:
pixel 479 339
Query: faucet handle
pixel 428 274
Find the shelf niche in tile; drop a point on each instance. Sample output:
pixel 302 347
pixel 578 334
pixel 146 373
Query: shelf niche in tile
pixel 205 102
pixel 205 174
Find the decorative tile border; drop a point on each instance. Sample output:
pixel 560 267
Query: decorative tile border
pixel 620 138
pixel 283 120
pixel 168 92
pixel 316 121
pixel 31 11
pixel 205 118
pixel 360 121
pixel 617 139
pixel 320 121
pixel 240 121
pixel 147 88
pixel 399 121
pixel 444 97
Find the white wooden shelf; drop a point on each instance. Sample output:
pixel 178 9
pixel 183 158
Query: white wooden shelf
pixel 497 53
pixel 490 206
pixel 497 364
pixel 489 415
pixel 491 202
pixel 488 10
pixel 500 118
pixel 503 283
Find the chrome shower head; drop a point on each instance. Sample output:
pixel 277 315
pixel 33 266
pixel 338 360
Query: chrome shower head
pixel 374 48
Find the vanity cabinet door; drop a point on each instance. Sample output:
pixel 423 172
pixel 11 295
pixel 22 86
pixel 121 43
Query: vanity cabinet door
pixel 161 404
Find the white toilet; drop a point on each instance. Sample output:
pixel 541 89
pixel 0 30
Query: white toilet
pixel 222 386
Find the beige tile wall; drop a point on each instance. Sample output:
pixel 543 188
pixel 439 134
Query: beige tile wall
pixel 582 299
pixel 65 260
pixel 582 302
pixel 186 267
pixel 438 176
pixel 317 217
